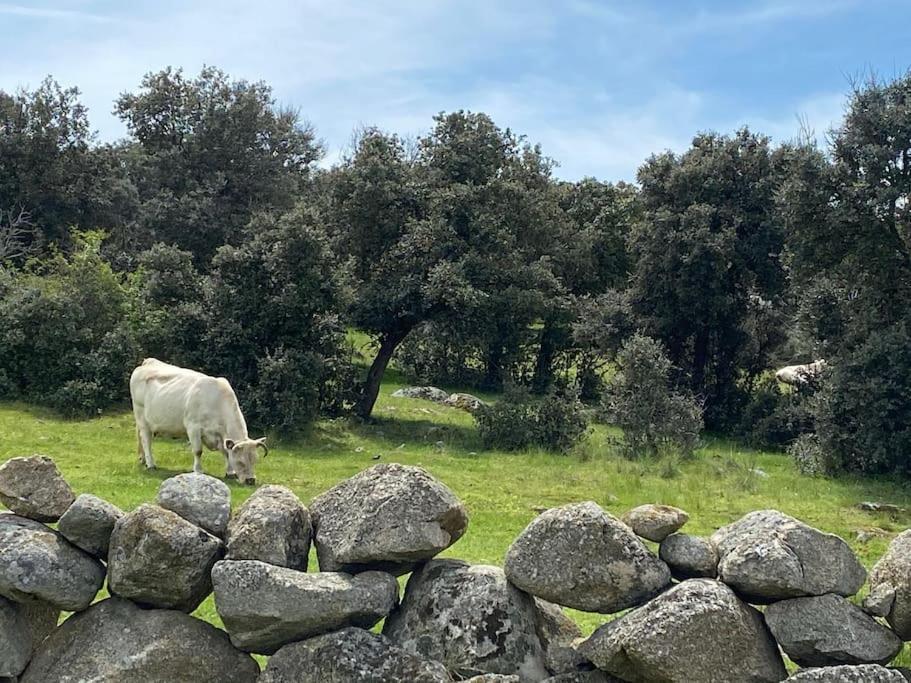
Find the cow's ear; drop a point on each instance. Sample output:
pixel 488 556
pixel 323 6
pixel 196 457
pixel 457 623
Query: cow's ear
pixel 229 444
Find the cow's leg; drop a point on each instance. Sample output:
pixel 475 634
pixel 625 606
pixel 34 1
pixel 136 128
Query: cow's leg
pixel 195 436
pixel 145 442
pixel 229 471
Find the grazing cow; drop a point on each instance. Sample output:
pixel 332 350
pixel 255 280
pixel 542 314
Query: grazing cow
pixel 174 401
pixel 798 375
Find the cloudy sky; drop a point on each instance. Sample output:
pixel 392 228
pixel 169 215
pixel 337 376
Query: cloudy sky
pixel 600 84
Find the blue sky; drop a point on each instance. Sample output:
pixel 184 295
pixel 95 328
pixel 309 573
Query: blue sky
pixel 599 84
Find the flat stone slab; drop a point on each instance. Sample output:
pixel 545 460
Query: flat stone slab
pixel 33 487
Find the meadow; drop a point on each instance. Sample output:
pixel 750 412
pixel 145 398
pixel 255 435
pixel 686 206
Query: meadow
pixel 503 491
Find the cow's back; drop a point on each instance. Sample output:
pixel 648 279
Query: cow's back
pixel 163 393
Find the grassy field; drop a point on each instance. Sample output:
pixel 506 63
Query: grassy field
pixel 502 491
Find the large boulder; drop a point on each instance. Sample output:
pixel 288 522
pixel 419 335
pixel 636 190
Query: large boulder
pixel 88 524
pixel 689 557
pixel 115 640
pixel 580 556
pixel 893 574
pixel 864 673
pixel 767 556
pixel 466 402
pixel 828 630
pixel 159 559
pixel 22 628
pixel 271 526
pixel 470 618
pixel 425 393
pixel 699 630
pixel 351 655
pixel 264 607
pixel 655 522
pixel 33 487
pixel 388 517
pixel 40 564
pixel 198 498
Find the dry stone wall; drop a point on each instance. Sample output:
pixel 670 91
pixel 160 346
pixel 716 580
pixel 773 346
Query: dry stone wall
pixel 726 608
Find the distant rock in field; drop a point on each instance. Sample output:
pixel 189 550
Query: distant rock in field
pixel 828 630
pixel 465 402
pixel 655 522
pixel 470 618
pixel 389 517
pixel 271 526
pixel 22 628
pixel 351 655
pixel 33 487
pixel 159 559
pixel 893 574
pixel 580 556
pixel 40 564
pixel 869 506
pixel 425 393
pixel 198 498
pixel 699 630
pixel 689 557
pixel 88 524
pixel 864 673
pixel 264 607
pixel 114 640
pixel 767 556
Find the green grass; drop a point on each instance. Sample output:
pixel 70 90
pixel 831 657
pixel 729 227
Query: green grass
pixel 502 491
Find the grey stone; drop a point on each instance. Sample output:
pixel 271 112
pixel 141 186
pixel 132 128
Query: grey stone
pixel 593 676
pixel 767 556
pixel 557 633
pixel 466 402
pixel 198 498
pixel 116 641
pixel 828 630
pixel 264 607
pixel 893 571
pixel 271 526
pixel 351 655
pixel 580 556
pixel 22 628
pixel 470 618
pixel 159 559
pixel 699 630
pixel 88 524
pixel 864 673
pixel 40 564
pixel 33 487
pixel 424 393
pixel 655 522
pixel 388 517
pixel 492 678
pixel 689 557
pixel 878 602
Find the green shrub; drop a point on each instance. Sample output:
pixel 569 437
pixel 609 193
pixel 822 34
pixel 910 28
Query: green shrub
pixel 808 456
pixel 556 422
pixel 776 418
pixel 639 398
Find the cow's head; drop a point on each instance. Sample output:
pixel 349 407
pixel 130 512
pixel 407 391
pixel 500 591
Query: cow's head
pixel 242 458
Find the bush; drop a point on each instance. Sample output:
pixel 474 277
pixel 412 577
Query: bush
pixel 555 422
pixel 655 418
pixel 776 418
pixel 808 456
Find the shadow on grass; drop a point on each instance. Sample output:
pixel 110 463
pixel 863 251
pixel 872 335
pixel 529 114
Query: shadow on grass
pixel 420 432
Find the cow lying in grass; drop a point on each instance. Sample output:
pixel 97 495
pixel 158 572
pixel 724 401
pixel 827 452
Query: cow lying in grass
pixel 173 401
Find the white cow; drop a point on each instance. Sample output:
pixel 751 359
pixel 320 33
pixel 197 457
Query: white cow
pixel 797 375
pixel 174 401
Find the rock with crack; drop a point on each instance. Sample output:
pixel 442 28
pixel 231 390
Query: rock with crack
pixel 470 618
pixel 350 655
pixel 892 573
pixel 22 628
pixel 159 559
pixel 699 630
pixel 828 630
pixel 580 556
pixel 33 487
pixel 264 607
pixel 271 526
pixel 40 564
pixel 767 556
pixel 88 524
pixel 115 640
pixel 389 517
pixel 655 522
pixel 864 673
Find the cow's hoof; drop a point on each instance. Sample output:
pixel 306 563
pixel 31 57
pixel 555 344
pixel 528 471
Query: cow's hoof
pixel 231 475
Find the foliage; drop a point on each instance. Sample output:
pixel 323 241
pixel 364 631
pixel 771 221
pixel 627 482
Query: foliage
pixel 517 421
pixel 641 400
pixel 773 417
pixel 808 456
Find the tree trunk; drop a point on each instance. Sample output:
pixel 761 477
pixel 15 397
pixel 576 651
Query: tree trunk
pixel 371 388
pixel 544 363
pixel 700 360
